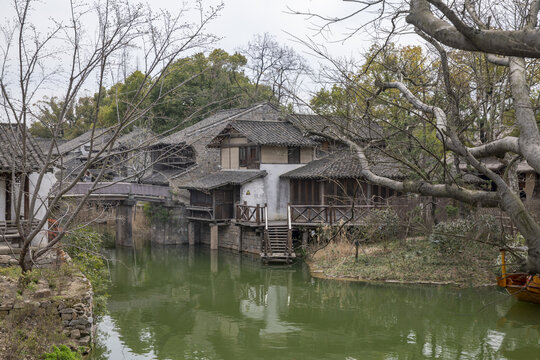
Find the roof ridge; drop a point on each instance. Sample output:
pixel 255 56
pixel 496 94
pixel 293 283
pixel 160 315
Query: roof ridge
pixel 240 112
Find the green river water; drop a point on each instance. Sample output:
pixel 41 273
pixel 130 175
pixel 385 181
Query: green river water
pixel 181 303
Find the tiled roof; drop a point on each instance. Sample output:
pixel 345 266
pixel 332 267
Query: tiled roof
pixel 45 143
pixel 223 178
pixel 191 134
pixel 497 165
pixel 524 167
pixel 161 177
pixel 101 136
pixel 136 138
pixel 276 133
pixel 345 165
pixel 318 124
pixel 11 149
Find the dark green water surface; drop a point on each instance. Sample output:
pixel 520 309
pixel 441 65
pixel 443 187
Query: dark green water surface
pixel 181 303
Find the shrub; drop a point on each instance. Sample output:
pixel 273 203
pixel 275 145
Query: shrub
pixel 382 225
pixel 62 353
pixel 157 213
pixel 84 247
pixel 451 236
pixel 378 225
pixel 451 211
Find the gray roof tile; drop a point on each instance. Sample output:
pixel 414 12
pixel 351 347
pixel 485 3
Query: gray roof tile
pixel 317 124
pixel 345 165
pixel 12 151
pixel 223 178
pixel 276 133
pixel 100 137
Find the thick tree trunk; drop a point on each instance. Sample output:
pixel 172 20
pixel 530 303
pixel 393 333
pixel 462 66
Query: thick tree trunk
pixel 24 258
pixel 529 137
pixel 527 226
pixel 23 261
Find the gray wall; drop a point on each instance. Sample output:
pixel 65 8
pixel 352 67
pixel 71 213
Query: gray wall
pixel 173 231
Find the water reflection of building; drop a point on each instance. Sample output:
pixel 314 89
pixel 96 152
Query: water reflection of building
pixel 176 307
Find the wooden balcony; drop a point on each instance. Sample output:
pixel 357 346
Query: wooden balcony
pixel 251 214
pixel 200 213
pixel 330 214
pixel 216 213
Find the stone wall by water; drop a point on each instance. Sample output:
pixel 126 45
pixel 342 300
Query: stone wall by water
pixel 251 240
pixel 71 301
pixel 230 236
pixel 172 231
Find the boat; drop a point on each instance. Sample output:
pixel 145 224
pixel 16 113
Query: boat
pixel 523 286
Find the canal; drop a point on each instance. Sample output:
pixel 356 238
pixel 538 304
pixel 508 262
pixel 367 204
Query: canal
pixel 181 303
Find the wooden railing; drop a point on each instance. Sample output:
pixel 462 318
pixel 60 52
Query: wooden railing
pixel 112 189
pixel 330 214
pixel 10 232
pixel 251 213
pixel 200 212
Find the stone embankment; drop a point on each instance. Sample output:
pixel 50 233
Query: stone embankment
pixel 63 292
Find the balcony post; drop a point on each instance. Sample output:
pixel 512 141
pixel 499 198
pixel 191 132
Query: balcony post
pixel 289 220
pixel 258 214
pixel 289 241
pixel 266 216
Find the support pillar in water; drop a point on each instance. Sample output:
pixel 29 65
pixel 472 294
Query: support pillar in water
pixel 214 261
pixel 213 237
pixel 191 233
pixel 124 223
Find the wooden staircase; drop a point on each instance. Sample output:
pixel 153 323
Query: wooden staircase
pixel 277 244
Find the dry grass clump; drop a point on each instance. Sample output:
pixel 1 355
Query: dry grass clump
pixel 462 251
pixel 29 333
pixel 411 260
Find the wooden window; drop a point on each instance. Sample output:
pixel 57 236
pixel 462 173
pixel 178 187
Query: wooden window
pixel 224 203
pixel 305 192
pixel 249 156
pixel 199 198
pixel 242 156
pixel 293 154
pixel 325 146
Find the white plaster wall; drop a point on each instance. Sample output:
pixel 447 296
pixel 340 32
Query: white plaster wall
pixel 42 201
pixel 253 192
pixel 14 195
pixel 277 190
pixel 42 193
pixel 2 200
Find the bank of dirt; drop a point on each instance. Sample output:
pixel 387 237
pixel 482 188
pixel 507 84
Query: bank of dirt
pixel 412 260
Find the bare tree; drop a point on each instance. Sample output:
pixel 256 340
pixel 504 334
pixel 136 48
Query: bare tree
pixel 505 33
pixel 86 50
pixel 276 66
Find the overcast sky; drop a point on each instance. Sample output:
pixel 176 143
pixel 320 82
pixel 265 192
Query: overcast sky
pixel 240 20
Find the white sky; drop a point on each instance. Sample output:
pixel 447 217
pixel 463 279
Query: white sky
pixel 240 20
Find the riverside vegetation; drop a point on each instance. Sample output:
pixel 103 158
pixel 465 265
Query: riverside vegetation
pixel 57 306
pixel 463 252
